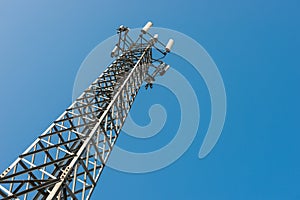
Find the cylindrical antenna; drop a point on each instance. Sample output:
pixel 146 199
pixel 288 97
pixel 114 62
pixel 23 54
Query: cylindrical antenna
pixel 169 45
pixel 146 27
pixel 113 52
pixel 155 38
pixel 163 71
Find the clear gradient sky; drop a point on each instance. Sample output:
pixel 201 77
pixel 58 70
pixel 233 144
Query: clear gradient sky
pixel 255 45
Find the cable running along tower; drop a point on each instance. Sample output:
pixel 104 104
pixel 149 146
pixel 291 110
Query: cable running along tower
pixel 66 161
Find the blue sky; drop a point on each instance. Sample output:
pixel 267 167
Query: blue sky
pixel 255 45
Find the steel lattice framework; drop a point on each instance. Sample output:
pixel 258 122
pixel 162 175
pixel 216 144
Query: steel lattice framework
pixel 66 161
